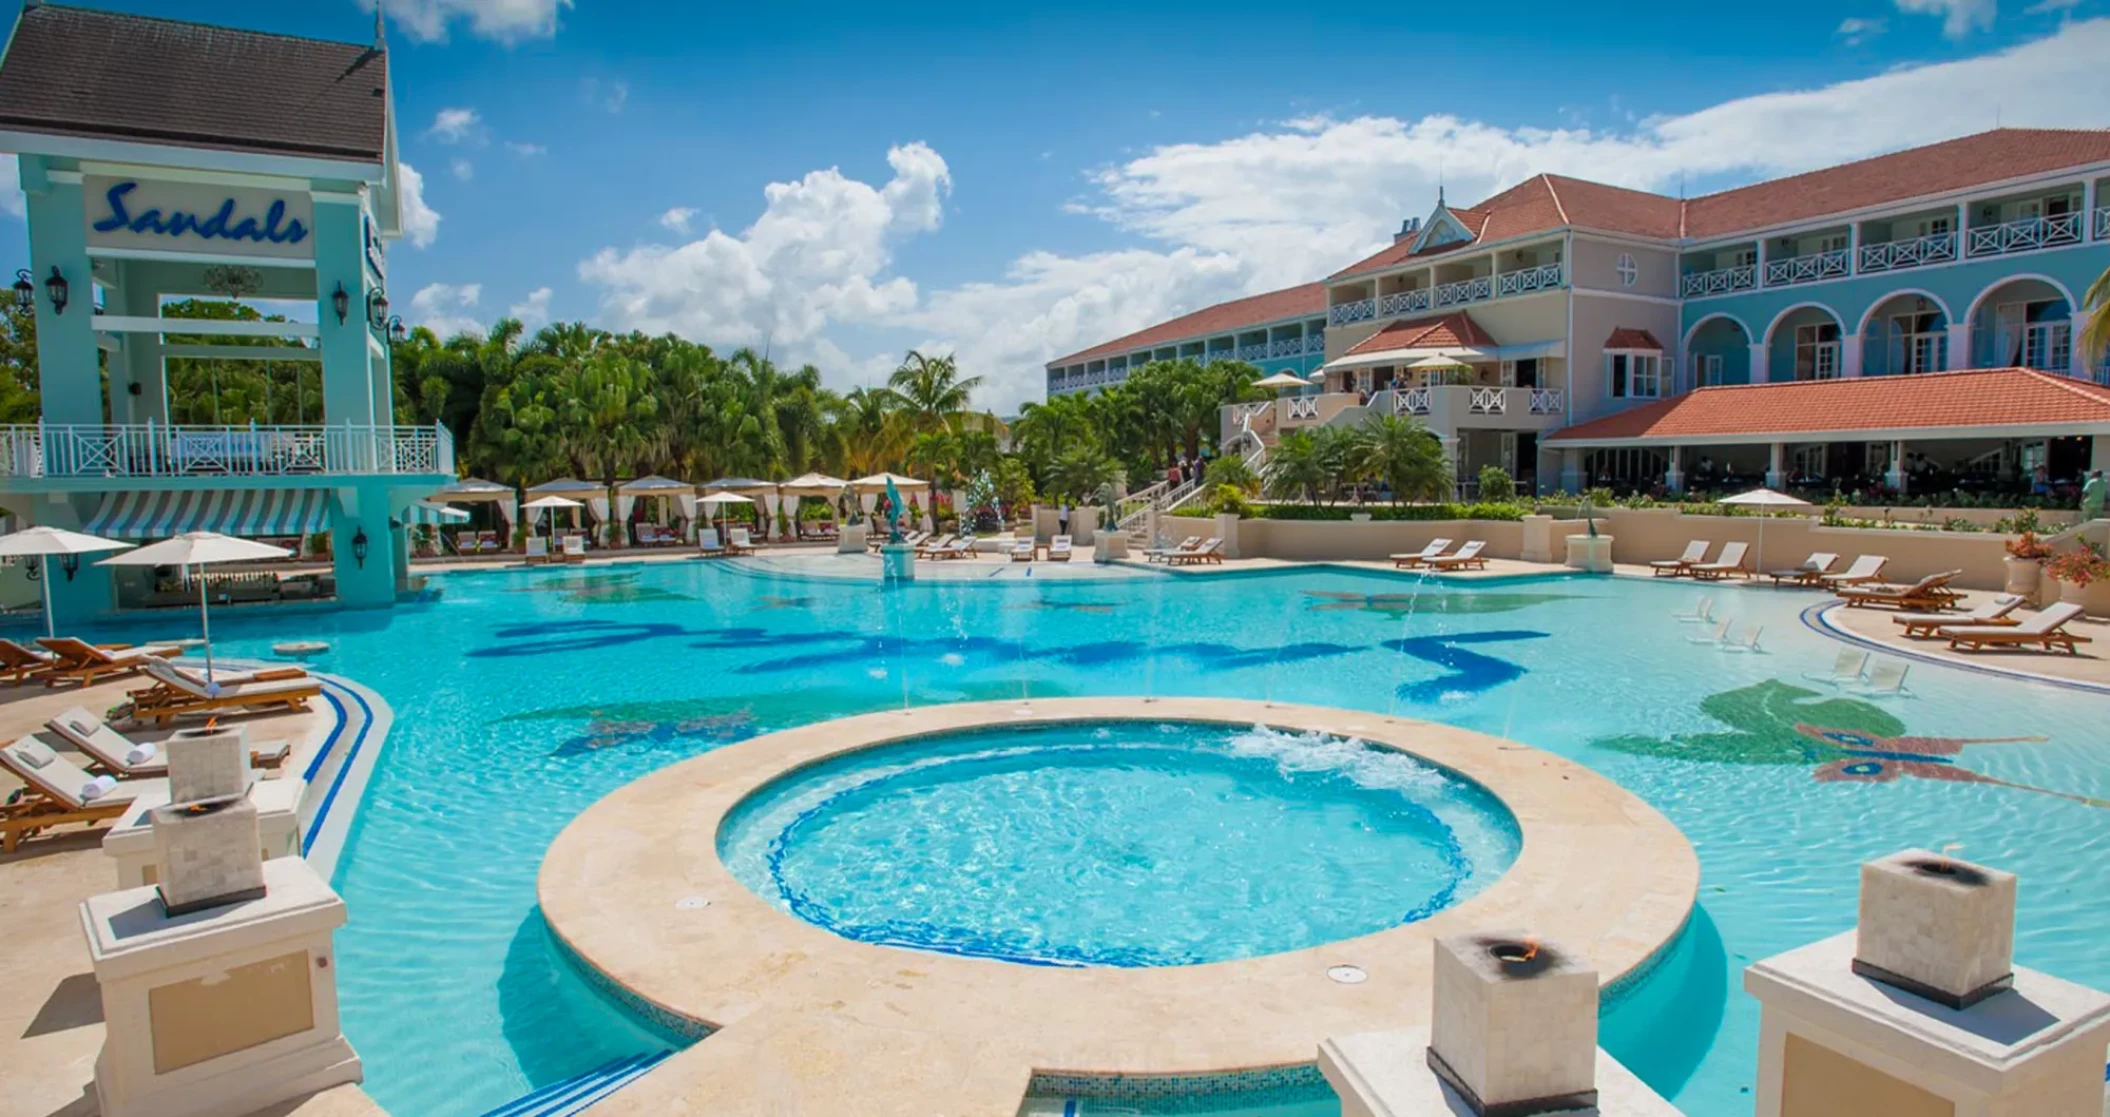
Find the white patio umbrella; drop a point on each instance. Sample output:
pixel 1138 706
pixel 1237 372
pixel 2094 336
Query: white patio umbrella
pixel 1764 498
pixel 552 503
pixel 1282 380
pixel 200 549
pixel 42 541
pixel 721 500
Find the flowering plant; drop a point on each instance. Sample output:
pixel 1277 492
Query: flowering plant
pixel 2028 546
pixel 2079 567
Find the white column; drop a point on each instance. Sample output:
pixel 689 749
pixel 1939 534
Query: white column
pixel 1959 345
pixel 1674 479
pixel 1761 363
pixel 1571 471
pixel 1777 466
pixel 1896 478
pixel 1850 355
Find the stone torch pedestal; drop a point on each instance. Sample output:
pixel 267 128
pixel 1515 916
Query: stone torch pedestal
pixel 1590 552
pixel 897 563
pixel 130 841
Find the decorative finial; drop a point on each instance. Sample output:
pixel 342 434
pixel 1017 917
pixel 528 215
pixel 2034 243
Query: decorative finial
pixel 380 25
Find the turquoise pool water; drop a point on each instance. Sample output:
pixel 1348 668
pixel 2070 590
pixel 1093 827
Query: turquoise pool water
pixel 1121 844
pixel 522 697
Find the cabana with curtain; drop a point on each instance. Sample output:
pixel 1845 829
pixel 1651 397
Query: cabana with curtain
pixel 590 493
pixel 503 502
pixel 762 493
pixel 656 529
pixel 870 489
pixel 818 485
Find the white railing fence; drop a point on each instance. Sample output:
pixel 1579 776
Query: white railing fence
pixel 1721 281
pixel 1488 401
pixel 1548 401
pixel 2027 234
pixel 1465 291
pixel 1403 302
pixel 1303 407
pixel 158 450
pixel 1808 269
pixel 1411 401
pixel 1935 248
pixel 2102 223
pixel 1361 310
pixel 1544 277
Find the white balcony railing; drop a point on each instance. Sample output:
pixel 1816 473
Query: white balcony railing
pixel 1411 401
pixel 1548 401
pixel 1488 401
pixel 2102 223
pixel 1403 302
pixel 1545 277
pixel 1361 310
pixel 1465 291
pixel 1935 248
pixel 2025 235
pixel 157 450
pixel 1315 343
pixel 1286 347
pixel 1721 281
pixel 1303 408
pixel 1252 352
pixel 1808 269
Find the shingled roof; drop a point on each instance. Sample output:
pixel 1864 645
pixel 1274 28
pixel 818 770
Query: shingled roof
pixel 1307 299
pixel 105 75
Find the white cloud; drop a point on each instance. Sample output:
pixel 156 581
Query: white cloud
pixel 1277 206
pixel 421 223
pixel 608 95
pixel 1854 31
pixel 526 150
pixel 2042 7
pixel 444 308
pixel 532 311
pixel 677 219
pixel 463 169
pixel 1959 17
pixel 819 253
pixel 10 185
pixel 453 126
pixel 507 21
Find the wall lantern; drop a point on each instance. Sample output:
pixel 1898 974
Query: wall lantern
pixel 341 302
pixel 71 564
pixel 25 292
pixel 397 331
pixel 55 286
pixel 359 548
pixel 377 308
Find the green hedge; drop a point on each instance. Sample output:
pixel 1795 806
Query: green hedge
pixel 1485 511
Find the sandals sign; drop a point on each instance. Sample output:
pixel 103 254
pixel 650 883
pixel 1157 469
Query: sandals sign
pixel 141 216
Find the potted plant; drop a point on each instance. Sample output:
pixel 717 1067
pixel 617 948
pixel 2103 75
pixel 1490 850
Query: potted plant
pixel 2083 576
pixel 2025 560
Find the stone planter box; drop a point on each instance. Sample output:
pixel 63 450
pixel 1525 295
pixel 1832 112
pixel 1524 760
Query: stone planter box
pixel 2093 598
pixel 2024 577
pixel 1590 552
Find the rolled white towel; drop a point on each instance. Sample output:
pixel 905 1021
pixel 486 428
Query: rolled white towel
pixel 142 753
pixel 97 788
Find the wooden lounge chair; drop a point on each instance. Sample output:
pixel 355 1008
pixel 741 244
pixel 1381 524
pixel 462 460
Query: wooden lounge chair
pixel 914 539
pixel 1211 551
pixel 737 542
pixel 962 547
pixel 55 791
pixel 537 550
pixel 1465 557
pixel 1157 554
pixel 932 544
pixel 109 751
pixel 1865 568
pixel 1929 594
pixel 1731 561
pixel 1412 559
pixel 19 664
pixel 487 543
pixel 2046 630
pixel 707 543
pixel 1022 551
pixel 177 693
pixel 1993 611
pixel 82 662
pixel 1059 548
pixel 1812 569
pixel 574 548
pixel 465 542
pixel 1695 551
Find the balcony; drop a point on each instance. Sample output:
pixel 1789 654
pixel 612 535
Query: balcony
pixel 1545 277
pixel 1251 353
pixel 2102 223
pixel 1315 343
pixel 1449 407
pixel 1342 314
pixel 1548 401
pixel 1809 269
pixel 2026 235
pixel 1286 347
pixel 1935 248
pixel 1721 281
pixel 157 450
pixel 1465 291
pixel 1403 302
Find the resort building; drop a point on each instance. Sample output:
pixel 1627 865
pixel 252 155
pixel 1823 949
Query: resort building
pixel 163 160
pixel 1513 325
pixel 1281 331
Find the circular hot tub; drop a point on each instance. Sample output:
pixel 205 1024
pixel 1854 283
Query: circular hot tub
pixel 1118 842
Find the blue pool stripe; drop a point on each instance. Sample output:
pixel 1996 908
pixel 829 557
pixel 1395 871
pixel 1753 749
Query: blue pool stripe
pixel 575 1094
pixel 329 798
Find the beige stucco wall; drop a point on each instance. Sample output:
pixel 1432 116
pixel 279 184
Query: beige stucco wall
pixel 1596 316
pixel 1645 534
pixel 1595 264
pixel 1336 540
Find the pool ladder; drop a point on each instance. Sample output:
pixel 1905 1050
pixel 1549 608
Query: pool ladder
pixel 574 1094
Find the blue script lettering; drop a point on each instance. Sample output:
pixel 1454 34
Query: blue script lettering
pixel 219 225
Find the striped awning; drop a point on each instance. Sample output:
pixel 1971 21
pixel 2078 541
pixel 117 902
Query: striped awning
pixel 245 512
pixel 430 512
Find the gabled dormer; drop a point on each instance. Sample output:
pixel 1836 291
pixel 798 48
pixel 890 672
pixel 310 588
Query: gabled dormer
pixel 1443 227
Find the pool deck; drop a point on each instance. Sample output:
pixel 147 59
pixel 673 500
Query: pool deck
pixel 2090 668
pixel 51 1021
pixel 812 1023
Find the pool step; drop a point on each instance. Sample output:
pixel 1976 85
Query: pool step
pixel 574 1094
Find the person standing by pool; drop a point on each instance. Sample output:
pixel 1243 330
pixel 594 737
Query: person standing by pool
pixel 1062 518
pixel 2093 492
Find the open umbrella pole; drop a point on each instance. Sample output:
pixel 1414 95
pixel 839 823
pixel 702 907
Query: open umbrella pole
pixel 205 624
pixel 51 625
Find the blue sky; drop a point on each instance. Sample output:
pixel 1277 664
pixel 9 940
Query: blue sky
pixel 843 182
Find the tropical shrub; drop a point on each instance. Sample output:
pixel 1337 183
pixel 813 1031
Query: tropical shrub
pixel 2079 567
pixel 1496 484
pixel 1232 471
pixel 2028 546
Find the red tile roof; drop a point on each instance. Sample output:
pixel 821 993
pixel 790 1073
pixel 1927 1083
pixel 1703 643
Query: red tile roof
pixel 1256 310
pixel 1973 398
pixel 1548 202
pixel 1627 338
pixel 1456 330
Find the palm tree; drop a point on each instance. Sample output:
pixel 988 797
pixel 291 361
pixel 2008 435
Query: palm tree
pixel 1297 468
pixel 2095 333
pixel 1403 453
pixel 931 390
pixel 1081 474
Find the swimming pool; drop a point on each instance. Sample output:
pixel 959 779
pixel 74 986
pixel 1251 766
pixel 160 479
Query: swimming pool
pixel 522 697
pixel 1118 844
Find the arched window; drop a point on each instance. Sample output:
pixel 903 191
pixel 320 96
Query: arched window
pixel 1629 272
